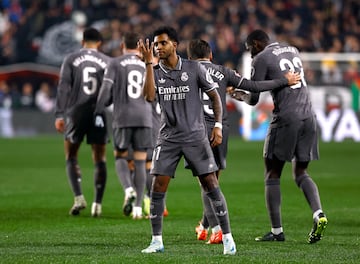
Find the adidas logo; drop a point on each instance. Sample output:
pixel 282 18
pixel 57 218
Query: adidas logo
pixel 162 80
pixel 221 213
pixel 151 216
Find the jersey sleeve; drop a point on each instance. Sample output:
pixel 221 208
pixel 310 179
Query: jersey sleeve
pixel 105 94
pixel 234 78
pixel 258 82
pixel 63 88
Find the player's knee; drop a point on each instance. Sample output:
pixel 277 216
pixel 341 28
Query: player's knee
pixel 300 178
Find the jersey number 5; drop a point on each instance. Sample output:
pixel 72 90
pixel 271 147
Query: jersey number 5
pixel 90 82
pixel 294 65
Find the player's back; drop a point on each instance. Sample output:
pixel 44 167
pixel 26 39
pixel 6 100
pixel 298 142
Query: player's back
pixel 272 63
pixel 130 107
pixel 225 77
pixel 86 70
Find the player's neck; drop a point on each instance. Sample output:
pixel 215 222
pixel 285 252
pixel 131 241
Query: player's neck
pixel 171 61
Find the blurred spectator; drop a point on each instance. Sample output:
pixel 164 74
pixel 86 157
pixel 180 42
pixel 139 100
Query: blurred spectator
pixel 27 96
pixel 44 30
pixel 6 127
pixel 43 98
pixel 331 72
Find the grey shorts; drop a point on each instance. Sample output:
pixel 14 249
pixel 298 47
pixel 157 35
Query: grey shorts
pixel 297 140
pixel 138 138
pixel 199 156
pixel 78 126
pixel 220 151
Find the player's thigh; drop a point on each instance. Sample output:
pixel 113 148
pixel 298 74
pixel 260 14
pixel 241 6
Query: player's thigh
pixel 200 158
pixel 75 128
pixel 166 157
pixel 307 146
pixel 122 137
pixel 220 151
pixel 142 138
pixel 96 135
pixel 281 142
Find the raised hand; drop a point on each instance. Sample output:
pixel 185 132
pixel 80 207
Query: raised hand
pixel 146 50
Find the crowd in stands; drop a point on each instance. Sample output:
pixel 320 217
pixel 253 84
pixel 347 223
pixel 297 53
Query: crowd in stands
pixel 44 31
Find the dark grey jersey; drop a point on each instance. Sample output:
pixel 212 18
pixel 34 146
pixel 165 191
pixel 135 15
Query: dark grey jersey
pixel 178 93
pixel 291 103
pixel 225 77
pixel 124 82
pixel 81 75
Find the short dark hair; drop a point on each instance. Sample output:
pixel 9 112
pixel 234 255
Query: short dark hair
pixel 131 39
pixel 170 31
pixel 198 48
pixel 259 35
pixel 92 34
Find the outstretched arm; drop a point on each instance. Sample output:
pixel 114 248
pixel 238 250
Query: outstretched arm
pixel 289 79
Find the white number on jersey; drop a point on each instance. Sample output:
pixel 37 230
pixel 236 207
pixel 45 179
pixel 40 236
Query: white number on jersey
pixel 294 65
pixel 207 107
pixel 135 84
pixel 90 82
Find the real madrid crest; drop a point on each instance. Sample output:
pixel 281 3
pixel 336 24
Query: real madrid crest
pixel 184 77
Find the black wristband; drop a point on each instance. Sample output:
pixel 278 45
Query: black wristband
pixel 148 63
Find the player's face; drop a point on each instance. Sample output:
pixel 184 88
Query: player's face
pixel 163 46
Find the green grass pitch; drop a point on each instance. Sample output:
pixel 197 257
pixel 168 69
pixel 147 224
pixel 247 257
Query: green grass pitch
pixel 35 199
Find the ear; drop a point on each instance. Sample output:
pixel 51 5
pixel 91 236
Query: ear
pixel 211 56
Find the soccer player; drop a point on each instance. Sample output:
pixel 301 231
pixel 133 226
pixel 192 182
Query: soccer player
pixel 200 50
pixel 176 83
pixel 80 79
pixel 292 135
pixel 132 120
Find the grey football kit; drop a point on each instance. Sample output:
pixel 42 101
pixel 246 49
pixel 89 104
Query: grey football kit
pixel 182 128
pixel 123 86
pixel 81 75
pixel 225 77
pixel 292 132
pixel 132 119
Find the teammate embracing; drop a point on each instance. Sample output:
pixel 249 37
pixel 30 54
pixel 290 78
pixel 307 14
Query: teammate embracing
pixel 292 135
pixel 200 51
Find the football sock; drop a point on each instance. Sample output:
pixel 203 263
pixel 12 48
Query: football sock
pixel 209 218
pixel 277 231
pixel 74 176
pixel 310 190
pixel 219 206
pixel 100 180
pixel 149 179
pixel 156 212
pixel 215 229
pixel 316 214
pixel 123 172
pixel 273 201
pixel 139 181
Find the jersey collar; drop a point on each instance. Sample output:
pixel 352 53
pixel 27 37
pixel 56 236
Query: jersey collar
pixel 166 69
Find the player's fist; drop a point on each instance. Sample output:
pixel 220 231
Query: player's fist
pixel 60 125
pixel 99 121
